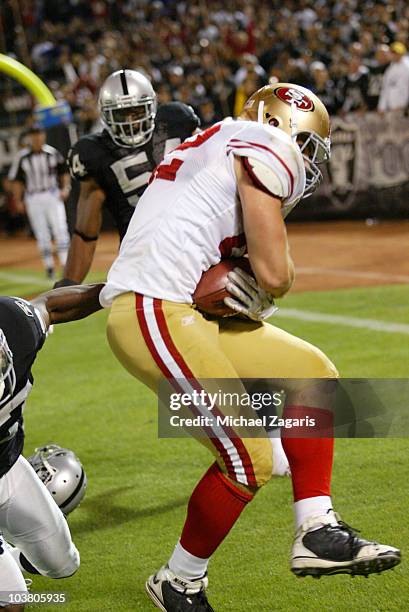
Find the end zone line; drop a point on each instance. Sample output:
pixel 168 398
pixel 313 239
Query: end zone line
pixel 320 317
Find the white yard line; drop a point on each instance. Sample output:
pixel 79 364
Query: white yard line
pixel 23 279
pixel 320 317
pixel 396 278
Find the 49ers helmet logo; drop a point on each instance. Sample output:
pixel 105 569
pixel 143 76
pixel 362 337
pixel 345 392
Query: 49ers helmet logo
pixel 289 95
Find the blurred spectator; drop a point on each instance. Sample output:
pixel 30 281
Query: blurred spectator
pixel 325 88
pixel 244 91
pixel 395 83
pixel 207 113
pixel 66 67
pixel 207 53
pixel 175 78
pixel 354 85
pixel 164 94
pixel 90 67
pixel 377 67
pixel 305 15
pixel 249 63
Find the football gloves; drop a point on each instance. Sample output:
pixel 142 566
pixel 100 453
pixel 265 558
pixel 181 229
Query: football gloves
pixel 248 298
pixel 64 282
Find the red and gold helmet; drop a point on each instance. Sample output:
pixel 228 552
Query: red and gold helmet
pixel 302 115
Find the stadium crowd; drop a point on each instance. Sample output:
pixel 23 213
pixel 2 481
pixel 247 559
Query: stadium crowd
pixel 213 54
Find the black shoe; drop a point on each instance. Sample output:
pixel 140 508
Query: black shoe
pixel 50 273
pixel 325 545
pixel 161 589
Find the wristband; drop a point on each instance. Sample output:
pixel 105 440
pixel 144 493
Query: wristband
pixel 84 237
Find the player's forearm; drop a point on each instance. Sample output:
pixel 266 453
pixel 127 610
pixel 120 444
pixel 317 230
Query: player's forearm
pixel 87 227
pixel 79 260
pixel 275 275
pixel 266 236
pixel 69 303
pixel 269 256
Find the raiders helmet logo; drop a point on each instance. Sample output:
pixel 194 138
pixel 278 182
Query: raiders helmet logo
pixel 290 95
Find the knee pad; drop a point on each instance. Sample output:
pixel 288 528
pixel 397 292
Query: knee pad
pixel 68 567
pixel 257 461
pixel 330 369
pixel 320 366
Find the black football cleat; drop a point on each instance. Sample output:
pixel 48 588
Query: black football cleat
pixel 50 273
pixel 172 593
pixel 325 546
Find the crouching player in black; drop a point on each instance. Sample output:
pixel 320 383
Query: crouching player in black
pixel 29 517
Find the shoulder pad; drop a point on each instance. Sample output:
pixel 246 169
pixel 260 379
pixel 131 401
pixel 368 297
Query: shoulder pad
pixel 265 177
pixel 274 160
pixel 178 113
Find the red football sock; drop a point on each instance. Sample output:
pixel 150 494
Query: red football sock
pixel 310 457
pixel 214 507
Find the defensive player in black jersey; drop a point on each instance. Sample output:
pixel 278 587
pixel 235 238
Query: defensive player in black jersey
pixel 29 517
pixel 114 166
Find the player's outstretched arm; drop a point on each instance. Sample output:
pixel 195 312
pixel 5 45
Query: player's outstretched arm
pixel 68 303
pixel 87 227
pixel 266 235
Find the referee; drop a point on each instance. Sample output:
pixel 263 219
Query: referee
pixel 39 173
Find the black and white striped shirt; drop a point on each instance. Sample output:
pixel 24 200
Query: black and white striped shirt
pixel 38 171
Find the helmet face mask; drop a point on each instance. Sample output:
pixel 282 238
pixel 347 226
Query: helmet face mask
pixel 315 151
pixel 127 104
pixel 7 373
pixel 61 472
pixel 301 114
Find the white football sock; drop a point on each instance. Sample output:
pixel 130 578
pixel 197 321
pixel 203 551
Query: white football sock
pixel 280 461
pixel 62 256
pixel 311 506
pixel 187 565
pixel 48 259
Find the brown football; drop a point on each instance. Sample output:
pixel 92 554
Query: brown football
pixel 211 289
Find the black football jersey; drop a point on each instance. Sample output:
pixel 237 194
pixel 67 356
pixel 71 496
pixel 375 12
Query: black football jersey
pixel 25 334
pixel 122 172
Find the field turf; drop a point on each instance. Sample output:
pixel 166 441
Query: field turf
pixel 139 485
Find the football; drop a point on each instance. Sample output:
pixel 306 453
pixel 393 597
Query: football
pixel 211 289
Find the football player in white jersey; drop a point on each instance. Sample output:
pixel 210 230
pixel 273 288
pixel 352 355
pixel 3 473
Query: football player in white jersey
pixel 219 194
pixel 30 518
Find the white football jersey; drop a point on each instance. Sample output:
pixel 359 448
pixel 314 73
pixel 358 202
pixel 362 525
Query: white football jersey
pixel 190 216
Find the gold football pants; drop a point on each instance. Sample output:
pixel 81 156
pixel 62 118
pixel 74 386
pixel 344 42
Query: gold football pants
pixel 154 338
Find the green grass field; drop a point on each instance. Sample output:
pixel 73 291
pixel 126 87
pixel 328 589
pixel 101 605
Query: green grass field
pixel 139 485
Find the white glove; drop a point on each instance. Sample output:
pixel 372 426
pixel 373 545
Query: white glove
pixel 251 301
